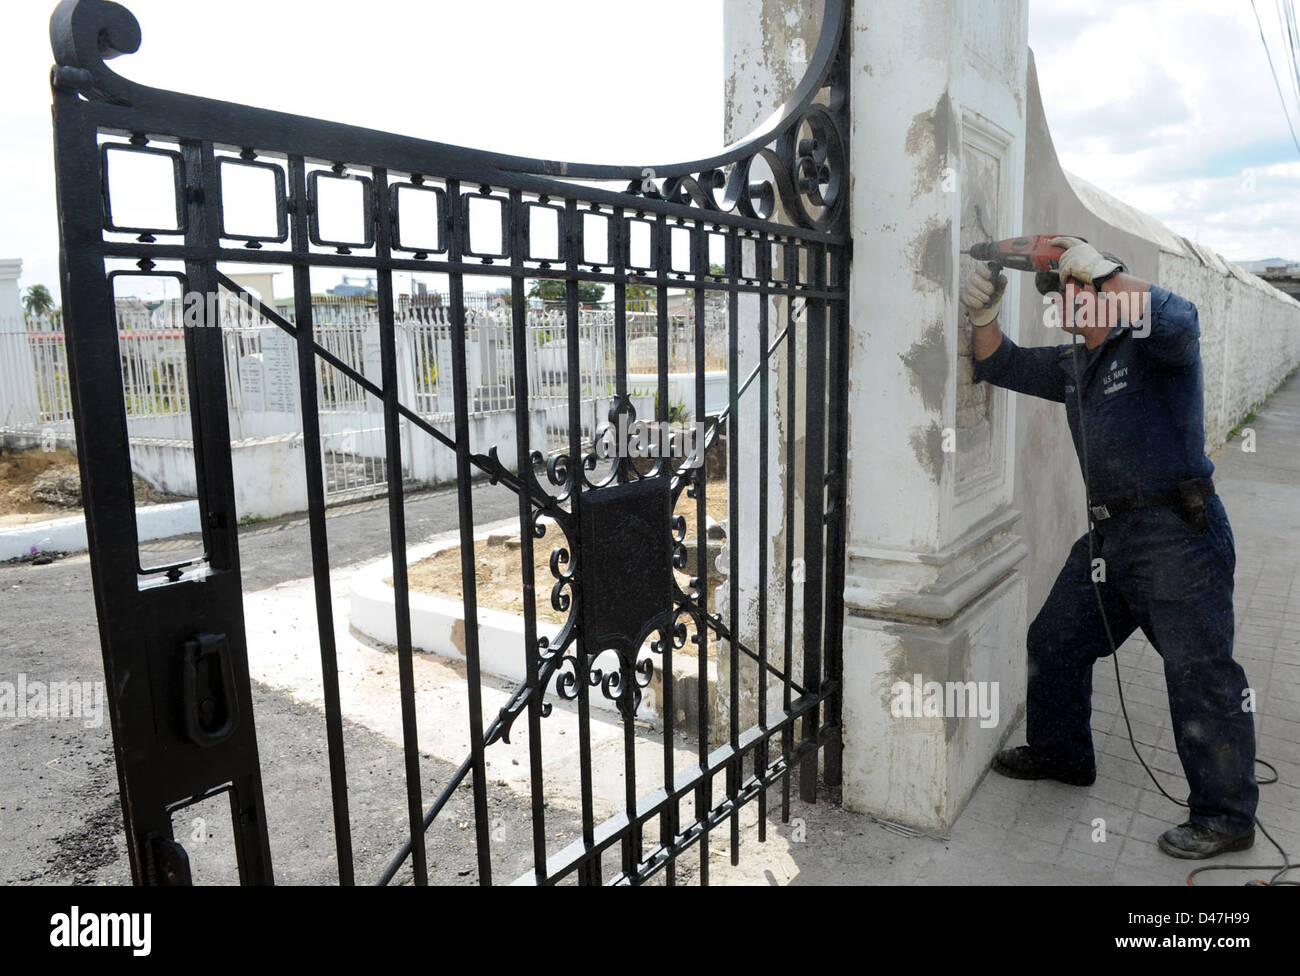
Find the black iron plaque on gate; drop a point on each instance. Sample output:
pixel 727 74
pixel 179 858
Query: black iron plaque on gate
pixel 626 560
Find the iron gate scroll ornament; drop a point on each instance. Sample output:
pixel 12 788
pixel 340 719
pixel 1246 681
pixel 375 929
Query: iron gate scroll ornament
pixel 175 651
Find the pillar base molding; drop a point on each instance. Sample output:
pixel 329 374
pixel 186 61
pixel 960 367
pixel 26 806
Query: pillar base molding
pixel 916 768
pixel 933 587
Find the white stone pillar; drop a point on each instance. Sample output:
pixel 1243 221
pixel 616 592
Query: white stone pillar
pixel 932 587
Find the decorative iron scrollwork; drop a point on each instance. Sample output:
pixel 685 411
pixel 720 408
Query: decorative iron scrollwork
pixel 622 685
pixel 85 33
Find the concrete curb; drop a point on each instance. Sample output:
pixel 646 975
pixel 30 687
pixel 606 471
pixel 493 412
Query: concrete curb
pixel 69 534
pixel 438 624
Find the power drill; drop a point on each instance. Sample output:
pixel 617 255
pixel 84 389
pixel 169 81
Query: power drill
pixel 1034 253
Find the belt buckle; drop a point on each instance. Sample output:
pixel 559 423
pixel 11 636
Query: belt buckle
pixel 1100 512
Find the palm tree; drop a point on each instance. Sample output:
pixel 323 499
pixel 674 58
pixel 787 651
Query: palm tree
pixel 38 301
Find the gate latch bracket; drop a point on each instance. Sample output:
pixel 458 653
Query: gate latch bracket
pixel 169 864
pixel 209 705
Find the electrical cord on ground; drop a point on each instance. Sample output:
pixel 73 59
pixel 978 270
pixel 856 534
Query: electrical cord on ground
pixel 1280 869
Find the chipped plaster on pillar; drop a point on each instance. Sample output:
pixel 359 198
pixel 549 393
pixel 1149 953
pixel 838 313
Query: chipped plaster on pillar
pixel 932 583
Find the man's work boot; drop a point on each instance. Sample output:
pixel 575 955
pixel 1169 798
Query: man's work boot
pixel 1194 842
pixel 1019 763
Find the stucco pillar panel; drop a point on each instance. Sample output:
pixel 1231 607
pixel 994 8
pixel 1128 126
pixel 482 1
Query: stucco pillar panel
pixel 937 155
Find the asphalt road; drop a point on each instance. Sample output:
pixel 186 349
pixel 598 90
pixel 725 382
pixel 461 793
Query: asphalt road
pixel 60 818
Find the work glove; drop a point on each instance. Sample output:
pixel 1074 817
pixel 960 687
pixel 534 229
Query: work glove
pixel 981 295
pixel 1082 261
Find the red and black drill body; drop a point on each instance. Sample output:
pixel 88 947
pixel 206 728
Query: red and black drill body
pixel 1035 253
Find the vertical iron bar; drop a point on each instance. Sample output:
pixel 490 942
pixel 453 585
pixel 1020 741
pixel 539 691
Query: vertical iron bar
pixel 661 262
pixel 631 842
pixel 203 356
pixel 837 528
pixel 814 515
pixel 459 238
pixel 590 872
pixel 762 272
pixel 523 450
pixel 704 792
pixel 733 530
pixel 631 839
pixel 791 476
pixel 397 529
pixel 620 312
pixel 96 394
pixel 210 430
pixel 308 376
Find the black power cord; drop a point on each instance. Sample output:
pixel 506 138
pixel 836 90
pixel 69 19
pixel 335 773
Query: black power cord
pixel 1286 865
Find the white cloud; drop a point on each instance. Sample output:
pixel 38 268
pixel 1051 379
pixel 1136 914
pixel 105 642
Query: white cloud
pixel 1171 107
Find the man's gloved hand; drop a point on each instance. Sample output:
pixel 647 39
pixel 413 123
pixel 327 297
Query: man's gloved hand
pixel 981 295
pixel 1082 261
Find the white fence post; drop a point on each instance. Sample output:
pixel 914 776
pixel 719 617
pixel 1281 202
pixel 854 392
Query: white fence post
pixel 19 405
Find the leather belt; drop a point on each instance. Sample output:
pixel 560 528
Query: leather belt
pixel 1128 503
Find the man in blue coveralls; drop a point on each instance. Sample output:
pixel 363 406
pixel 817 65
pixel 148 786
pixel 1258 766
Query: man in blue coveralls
pixel 1162 554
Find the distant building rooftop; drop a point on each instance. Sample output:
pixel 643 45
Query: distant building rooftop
pixel 355 288
pixel 1281 274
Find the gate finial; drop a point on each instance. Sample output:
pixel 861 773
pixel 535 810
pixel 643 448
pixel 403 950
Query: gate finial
pixel 83 35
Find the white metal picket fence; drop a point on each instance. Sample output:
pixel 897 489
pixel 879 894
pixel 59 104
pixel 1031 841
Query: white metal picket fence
pixel 35 400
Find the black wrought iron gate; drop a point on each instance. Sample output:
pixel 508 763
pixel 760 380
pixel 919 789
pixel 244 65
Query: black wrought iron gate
pixel 764 226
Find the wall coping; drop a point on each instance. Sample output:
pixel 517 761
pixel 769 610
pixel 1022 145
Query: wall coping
pixel 1120 214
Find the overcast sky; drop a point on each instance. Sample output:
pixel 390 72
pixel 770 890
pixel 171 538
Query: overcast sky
pixel 1168 104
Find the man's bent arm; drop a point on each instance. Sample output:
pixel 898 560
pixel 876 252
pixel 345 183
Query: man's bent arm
pixel 985 340
pixel 1167 324
pixel 1000 361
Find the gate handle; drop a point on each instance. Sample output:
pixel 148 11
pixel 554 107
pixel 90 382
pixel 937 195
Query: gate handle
pixel 209 705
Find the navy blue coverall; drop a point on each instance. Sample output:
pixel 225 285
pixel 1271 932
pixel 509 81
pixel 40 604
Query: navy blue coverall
pixel 1142 402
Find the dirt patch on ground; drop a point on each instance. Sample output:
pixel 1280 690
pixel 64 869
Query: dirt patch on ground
pixel 37 482
pixel 498 573
pixel 20 471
